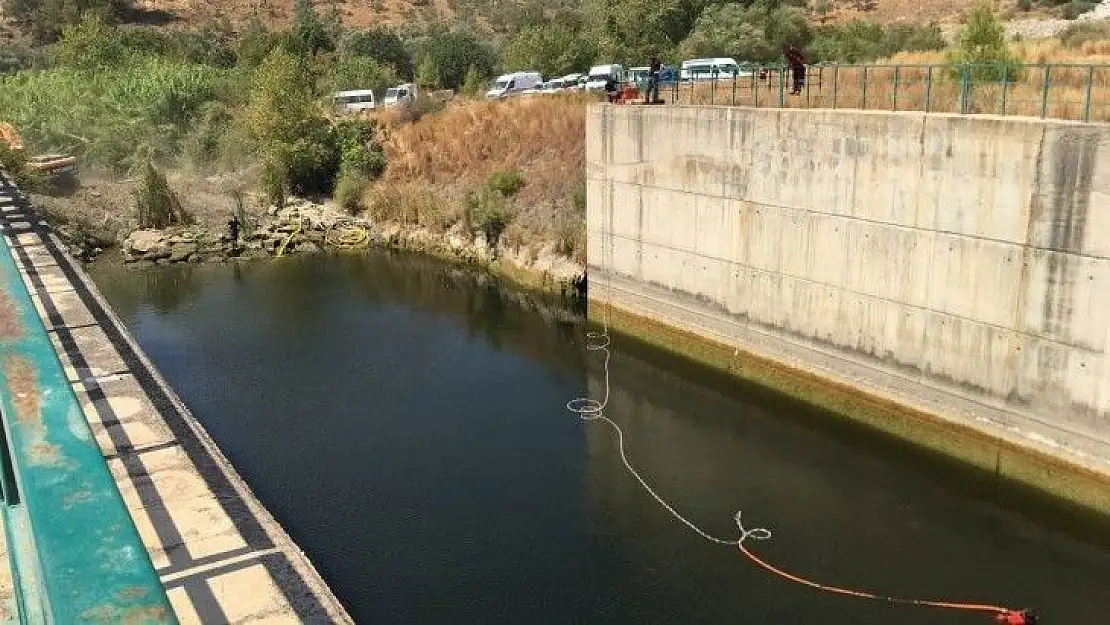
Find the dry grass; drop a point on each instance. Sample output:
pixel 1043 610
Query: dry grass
pixel 456 150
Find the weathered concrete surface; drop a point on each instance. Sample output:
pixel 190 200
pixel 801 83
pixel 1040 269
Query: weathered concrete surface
pixel 956 265
pixel 219 553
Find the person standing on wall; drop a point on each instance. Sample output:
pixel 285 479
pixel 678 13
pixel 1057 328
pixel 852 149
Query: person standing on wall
pixel 797 61
pixel 655 70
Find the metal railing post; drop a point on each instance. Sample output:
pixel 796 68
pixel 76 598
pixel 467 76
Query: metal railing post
pixel 755 86
pixel 894 105
pixel 1087 99
pixel 734 78
pixel 1005 91
pixel 928 87
pixel 1044 91
pixel 836 81
pixel 863 91
pixel 782 87
pixel 809 79
pixel 713 91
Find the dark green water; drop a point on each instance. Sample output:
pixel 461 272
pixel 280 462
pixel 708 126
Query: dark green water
pixel 405 422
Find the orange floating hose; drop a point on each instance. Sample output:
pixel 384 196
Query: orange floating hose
pixel 1002 614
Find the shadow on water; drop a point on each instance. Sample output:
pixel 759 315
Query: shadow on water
pixel 1074 520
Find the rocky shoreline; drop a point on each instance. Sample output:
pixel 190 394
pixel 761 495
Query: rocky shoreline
pixel 302 227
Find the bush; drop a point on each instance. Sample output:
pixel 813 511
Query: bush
pixel 983 54
pixel 157 204
pixel 205 144
pixel 1025 5
pixel 382 45
pixel 1075 8
pixel 507 183
pixel 272 183
pixel 357 72
pixel 15 163
pixel 349 190
pixel 488 212
pixel 452 53
pixel 1079 33
pixel 361 153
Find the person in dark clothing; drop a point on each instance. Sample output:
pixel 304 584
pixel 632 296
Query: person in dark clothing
pixel 655 70
pixel 612 88
pixel 797 61
pixel 233 233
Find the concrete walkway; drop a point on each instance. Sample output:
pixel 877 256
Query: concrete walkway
pixel 219 553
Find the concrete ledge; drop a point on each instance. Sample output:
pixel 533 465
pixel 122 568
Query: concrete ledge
pixel 979 436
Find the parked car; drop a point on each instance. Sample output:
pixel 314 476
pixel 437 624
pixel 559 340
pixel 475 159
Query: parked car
pixel 710 69
pixel 354 100
pixel 511 84
pixel 600 74
pixel 401 94
pixel 554 85
pixel 573 82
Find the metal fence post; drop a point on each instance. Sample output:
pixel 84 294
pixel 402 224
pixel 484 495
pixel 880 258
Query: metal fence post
pixel 928 87
pixel 782 87
pixel 961 101
pixel 1087 99
pixel 734 77
pixel 755 86
pixel 836 79
pixel 863 91
pixel 713 90
pixel 1044 91
pixel 1005 91
pixel 894 105
pixel 809 79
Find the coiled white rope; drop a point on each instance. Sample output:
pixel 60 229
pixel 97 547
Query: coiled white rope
pixel 589 409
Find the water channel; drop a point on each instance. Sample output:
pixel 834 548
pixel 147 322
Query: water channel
pixel 404 420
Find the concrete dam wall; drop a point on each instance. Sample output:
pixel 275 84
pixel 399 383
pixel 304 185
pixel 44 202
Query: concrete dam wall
pixel 958 266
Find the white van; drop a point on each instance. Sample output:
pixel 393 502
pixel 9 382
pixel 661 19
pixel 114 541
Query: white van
pixel 710 69
pixel 511 84
pixel 354 100
pixel 600 74
pixel 401 94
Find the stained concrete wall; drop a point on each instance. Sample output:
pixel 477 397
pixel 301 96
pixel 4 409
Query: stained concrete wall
pixel 955 264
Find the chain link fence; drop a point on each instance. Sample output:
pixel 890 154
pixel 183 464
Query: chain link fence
pixel 1079 92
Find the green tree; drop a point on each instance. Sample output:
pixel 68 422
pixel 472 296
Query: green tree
pixel 453 53
pixel 308 34
pixel 358 72
pixel 382 45
pixel 286 124
pixel 427 73
pixel 45 19
pixel 983 53
pixel 552 49
pixel 475 83
pixel 753 33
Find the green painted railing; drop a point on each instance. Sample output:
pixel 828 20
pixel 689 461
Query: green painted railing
pixel 1073 91
pixel 74 552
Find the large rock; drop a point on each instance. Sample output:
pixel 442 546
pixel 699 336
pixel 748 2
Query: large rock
pixel 142 242
pixel 182 251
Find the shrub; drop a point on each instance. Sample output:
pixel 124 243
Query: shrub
pixel 157 204
pixel 272 183
pixel 361 153
pixel 382 45
pixel 1079 33
pixel 1025 5
pixel 90 44
pixel 15 163
pixel 488 212
pixel 205 145
pixel 983 54
pixel 1075 8
pixel 349 190
pixel 507 183
pixel 357 72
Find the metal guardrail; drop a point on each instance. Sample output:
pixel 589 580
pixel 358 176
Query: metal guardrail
pixel 1072 91
pixel 74 551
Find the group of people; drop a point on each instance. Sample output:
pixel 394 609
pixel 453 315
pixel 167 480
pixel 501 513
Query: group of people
pixel 795 58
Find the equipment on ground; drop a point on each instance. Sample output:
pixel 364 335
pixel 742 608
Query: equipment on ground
pixel 52 164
